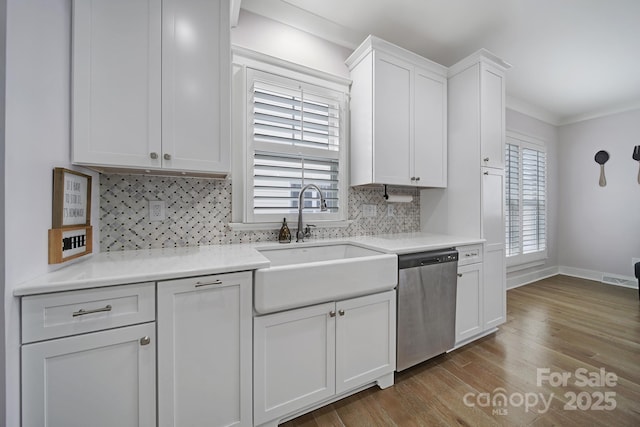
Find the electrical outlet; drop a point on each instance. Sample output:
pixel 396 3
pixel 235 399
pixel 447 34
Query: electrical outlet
pixel 156 210
pixel 391 210
pixel 368 211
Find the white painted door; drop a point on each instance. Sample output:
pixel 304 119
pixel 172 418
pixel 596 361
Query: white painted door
pixel 392 120
pixel 430 140
pixel 294 360
pixel 469 302
pixel 492 118
pixel 494 253
pixel 101 379
pixel 195 85
pixel 204 351
pixel 365 339
pixel 116 82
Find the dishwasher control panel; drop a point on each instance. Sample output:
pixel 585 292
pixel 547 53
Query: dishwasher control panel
pixel 427 258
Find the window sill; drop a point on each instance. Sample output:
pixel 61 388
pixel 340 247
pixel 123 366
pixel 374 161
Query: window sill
pixel 261 226
pixel 524 263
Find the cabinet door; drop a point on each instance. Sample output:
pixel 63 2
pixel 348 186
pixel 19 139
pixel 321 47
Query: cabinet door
pixel 392 121
pixel 469 302
pixel 102 379
pixel 195 85
pixel 493 206
pixel 294 360
pixel 116 82
pixel 492 119
pixel 430 118
pixel 495 292
pixel 494 253
pixel 204 351
pixel 365 339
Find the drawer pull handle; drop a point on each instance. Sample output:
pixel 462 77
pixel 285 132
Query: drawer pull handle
pixel 82 311
pixel 215 282
pixel 145 341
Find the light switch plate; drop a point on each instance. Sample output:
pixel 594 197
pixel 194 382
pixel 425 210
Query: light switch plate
pixel 391 210
pixel 156 210
pixel 368 211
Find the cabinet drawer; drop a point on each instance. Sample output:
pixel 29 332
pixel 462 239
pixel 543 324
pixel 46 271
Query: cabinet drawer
pixel 469 254
pixel 215 280
pixel 75 312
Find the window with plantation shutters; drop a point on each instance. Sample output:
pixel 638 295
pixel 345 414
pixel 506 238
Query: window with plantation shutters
pixel 295 138
pixel 525 201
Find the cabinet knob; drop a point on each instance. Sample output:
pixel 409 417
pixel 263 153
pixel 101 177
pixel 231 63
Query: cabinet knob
pixel 167 156
pixel 459 274
pixel 417 178
pixel 153 156
pixel 486 159
pixel 486 173
pixel 332 313
pixel 145 340
pixel 413 178
pixel 341 312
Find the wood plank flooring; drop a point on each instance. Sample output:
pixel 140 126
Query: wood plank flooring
pixel 562 324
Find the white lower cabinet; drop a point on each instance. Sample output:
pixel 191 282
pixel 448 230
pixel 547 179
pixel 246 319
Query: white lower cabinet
pixel 86 372
pixel 204 351
pixel 469 301
pixel 495 292
pixel 306 356
pixel 481 298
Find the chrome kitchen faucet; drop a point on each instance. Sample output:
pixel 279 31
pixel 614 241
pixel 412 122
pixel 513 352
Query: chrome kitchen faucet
pixel 301 234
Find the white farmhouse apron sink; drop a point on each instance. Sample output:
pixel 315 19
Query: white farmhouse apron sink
pixel 305 275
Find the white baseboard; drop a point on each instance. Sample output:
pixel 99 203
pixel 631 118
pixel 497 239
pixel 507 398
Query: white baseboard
pixel 598 276
pixel 515 281
pixel 524 279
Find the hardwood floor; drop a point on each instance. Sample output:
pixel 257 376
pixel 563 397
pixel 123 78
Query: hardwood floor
pixel 562 324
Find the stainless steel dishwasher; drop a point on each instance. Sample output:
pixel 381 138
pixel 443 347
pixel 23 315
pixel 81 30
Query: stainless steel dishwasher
pixel 427 283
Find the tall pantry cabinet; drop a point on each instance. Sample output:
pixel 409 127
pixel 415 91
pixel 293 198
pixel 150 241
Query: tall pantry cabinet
pixel 473 202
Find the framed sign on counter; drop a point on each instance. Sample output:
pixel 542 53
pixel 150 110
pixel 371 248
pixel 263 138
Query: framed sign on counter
pixel 71 235
pixel 71 198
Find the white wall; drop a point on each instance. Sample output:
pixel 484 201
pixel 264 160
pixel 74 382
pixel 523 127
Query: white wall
pixel 526 125
pixel 599 227
pixel 38 76
pixel 272 38
pixel 3 39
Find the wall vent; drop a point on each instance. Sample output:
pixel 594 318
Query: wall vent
pixel 619 281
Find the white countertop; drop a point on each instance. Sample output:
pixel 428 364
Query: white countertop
pixel 122 267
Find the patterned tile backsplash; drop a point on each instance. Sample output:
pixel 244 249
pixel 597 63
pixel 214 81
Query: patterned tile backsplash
pixel 198 212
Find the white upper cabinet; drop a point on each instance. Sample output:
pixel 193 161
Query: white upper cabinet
pixel 492 118
pixel 151 85
pixel 398 117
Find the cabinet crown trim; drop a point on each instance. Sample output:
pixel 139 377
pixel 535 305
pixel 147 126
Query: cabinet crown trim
pixel 482 55
pixel 375 43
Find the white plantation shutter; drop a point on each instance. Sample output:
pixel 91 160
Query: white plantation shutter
pixel 525 201
pixel 295 140
pixel 512 199
pixel 534 230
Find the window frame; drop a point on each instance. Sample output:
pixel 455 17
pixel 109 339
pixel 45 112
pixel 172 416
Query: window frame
pixel 538 257
pixel 249 66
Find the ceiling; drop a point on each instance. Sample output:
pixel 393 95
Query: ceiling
pixel 572 59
